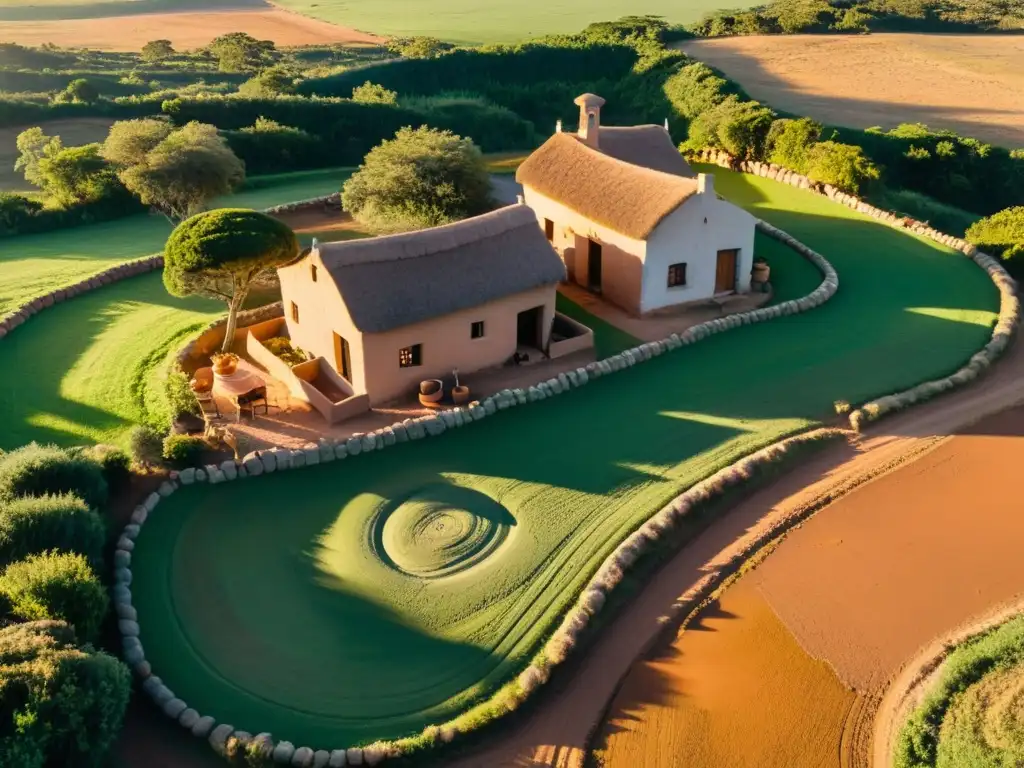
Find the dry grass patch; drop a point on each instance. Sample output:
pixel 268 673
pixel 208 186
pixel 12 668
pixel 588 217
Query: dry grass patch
pixel 973 84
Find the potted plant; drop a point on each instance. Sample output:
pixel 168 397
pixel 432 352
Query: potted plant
pixel 460 394
pixel 224 364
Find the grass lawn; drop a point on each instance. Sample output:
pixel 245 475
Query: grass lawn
pixel 312 604
pixel 32 265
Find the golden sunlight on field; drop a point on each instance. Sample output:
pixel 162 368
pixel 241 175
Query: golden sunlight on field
pixel 973 84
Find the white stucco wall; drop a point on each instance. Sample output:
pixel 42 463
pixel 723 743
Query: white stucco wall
pixel 683 236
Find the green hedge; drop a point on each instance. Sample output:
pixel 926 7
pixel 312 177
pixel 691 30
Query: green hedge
pixel 35 470
pixel 35 524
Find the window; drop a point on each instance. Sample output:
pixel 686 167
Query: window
pixel 549 229
pixel 676 275
pixel 410 357
pixel 312 271
pixel 342 357
pixel 295 312
pixel 476 330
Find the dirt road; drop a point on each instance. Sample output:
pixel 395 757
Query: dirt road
pixel 556 733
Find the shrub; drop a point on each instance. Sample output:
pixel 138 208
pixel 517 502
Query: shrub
pixel 34 469
pixel 789 141
pixel 371 93
pixel 115 465
pixel 738 127
pixel 67 703
pixel 841 165
pixel 1002 235
pixel 282 348
pixel 35 524
pixel 945 218
pixel 184 450
pixel 180 397
pixel 59 586
pixel 421 178
pixel 146 445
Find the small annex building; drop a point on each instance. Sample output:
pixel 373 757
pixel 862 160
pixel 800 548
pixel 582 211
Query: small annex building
pixel 388 312
pixel 630 218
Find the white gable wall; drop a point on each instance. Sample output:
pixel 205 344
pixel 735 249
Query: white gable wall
pixel 684 237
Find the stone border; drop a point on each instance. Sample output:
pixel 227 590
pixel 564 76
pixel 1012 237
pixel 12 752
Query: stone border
pixel 122 271
pixel 223 737
pixel 1009 305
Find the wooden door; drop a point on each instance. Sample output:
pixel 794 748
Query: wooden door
pixel 725 272
pixel 594 266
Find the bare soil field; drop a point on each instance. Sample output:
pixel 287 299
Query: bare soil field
pixel 73 132
pixel 715 700
pixel 186 30
pixel 973 84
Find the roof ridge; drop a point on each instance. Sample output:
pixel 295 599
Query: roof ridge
pixel 633 167
pixel 426 242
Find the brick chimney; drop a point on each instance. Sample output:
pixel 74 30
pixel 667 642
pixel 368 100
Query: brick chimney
pixel 705 184
pixel 590 119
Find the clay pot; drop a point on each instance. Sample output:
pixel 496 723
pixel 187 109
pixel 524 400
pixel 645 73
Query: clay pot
pixel 460 395
pixel 761 272
pixel 432 389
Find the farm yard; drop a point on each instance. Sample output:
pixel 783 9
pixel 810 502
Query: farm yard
pixel 829 610
pixel 972 84
pixel 534 519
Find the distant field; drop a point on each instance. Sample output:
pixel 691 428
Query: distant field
pixel 185 29
pixel 973 84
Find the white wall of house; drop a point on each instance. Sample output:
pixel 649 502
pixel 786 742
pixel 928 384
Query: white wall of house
pixel 693 234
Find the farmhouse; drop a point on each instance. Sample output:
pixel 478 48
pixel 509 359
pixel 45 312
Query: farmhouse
pixel 630 219
pixel 389 312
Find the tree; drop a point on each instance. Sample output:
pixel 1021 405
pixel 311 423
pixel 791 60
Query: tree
pixel 157 50
pixel 59 586
pixel 419 47
pixel 175 170
pixel 33 145
pixel 68 175
pixel 738 127
pixel 842 165
pixel 371 93
pixel 223 253
pixel 1002 235
pixel 62 705
pixel 239 52
pixel 421 178
pixel 269 83
pixel 789 141
pixel 78 91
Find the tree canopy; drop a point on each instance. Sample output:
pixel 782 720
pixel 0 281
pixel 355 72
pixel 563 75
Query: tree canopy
pixel 371 93
pixel 421 178
pixel 223 253
pixel 267 84
pixel 175 170
pixel 241 52
pixel 155 50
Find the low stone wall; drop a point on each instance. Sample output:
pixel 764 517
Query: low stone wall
pixel 1009 304
pixel 18 316
pixel 280 459
pixel 584 338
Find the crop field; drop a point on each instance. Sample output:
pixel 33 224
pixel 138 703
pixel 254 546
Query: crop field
pixel 31 265
pixel 346 603
pixel 972 84
pixel 834 613
pixel 127 26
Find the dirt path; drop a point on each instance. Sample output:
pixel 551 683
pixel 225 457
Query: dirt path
pixel 972 84
pixel 557 731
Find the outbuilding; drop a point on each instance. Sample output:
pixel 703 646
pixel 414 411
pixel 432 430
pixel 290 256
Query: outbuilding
pixel 388 312
pixel 631 220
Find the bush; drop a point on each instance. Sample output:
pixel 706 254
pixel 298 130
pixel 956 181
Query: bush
pixel 1002 235
pixel 184 450
pixel 146 445
pixel 59 586
pixel 282 348
pixel 789 141
pixel 738 127
pixel 62 705
pixel 34 470
pixel 421 178
pixel 267 146
pixel 371 93
pixel 35 524
pixel 115 465
pixel 841 165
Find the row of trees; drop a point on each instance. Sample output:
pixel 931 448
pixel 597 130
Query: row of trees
pixel 62 701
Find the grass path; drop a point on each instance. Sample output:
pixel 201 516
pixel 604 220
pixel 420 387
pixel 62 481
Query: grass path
pixel 32 265
pixel 270 604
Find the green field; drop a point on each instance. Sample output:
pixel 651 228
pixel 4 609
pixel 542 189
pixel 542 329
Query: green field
pixel 32 265
pixel 349 602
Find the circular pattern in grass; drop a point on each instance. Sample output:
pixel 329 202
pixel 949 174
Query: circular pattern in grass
pixel 985 723
pixel 439 530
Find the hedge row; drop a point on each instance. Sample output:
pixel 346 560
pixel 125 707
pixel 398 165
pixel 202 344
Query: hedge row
pixel 19 315
pixel 1009 303
pixel 226 740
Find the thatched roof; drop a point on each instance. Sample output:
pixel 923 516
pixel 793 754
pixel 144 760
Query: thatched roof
pixel 387 282
pixel 622 196
pixel 646 145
